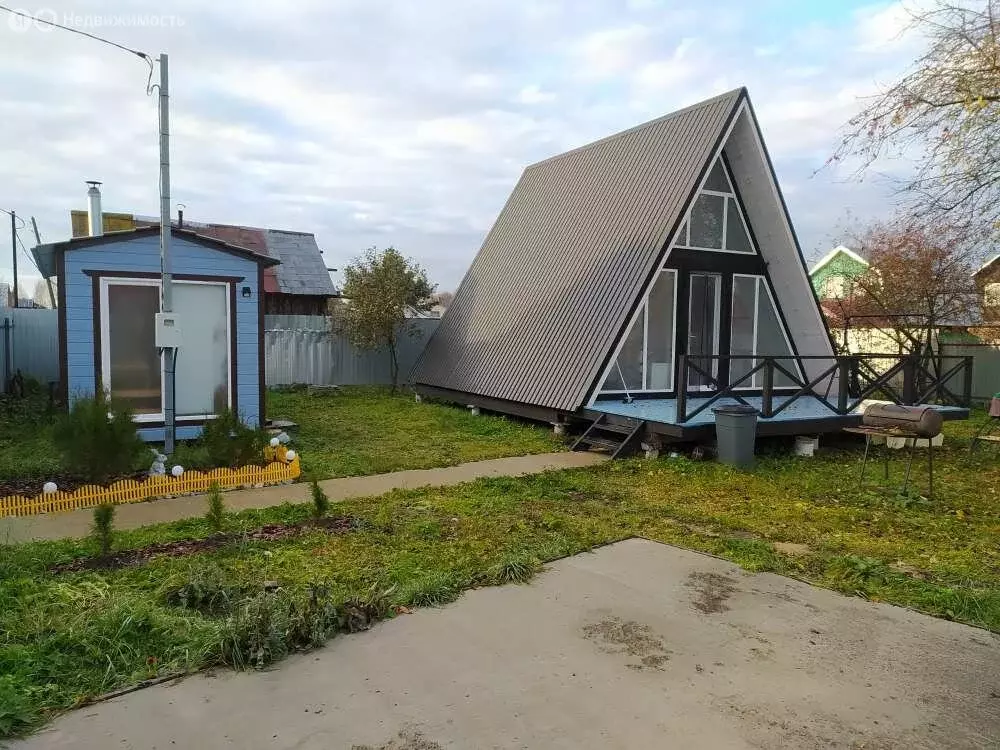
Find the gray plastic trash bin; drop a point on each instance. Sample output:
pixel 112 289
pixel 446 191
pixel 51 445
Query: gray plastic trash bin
pixel 736 433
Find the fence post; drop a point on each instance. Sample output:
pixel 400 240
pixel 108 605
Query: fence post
pixel 910 379
pixel 682 386
pixel 967 381
pixel 767 393
pixel 843 382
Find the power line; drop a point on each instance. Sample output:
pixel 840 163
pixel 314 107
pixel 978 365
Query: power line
pixel 55 25
pixel 11 213
pixel 27 252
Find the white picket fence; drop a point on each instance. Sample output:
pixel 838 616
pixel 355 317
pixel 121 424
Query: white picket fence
pixel 310 353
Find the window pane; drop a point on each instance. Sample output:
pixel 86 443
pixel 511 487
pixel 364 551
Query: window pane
pixel 202 366
pixel 736 234
pixel 660 346
pixel 717 179
pixel 770 338
pixel 744 305
pixel 628 374
pixel 706 221
pixel 135 363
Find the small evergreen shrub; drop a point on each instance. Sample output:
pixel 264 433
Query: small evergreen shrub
pixel 216 514
pixel 320 502
pixel 230 443
pixel 103 528
pixel 97 439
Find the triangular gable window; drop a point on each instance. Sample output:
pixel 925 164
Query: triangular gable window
pixel 715 221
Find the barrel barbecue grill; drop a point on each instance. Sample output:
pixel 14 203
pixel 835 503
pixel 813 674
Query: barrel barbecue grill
pixel 911 422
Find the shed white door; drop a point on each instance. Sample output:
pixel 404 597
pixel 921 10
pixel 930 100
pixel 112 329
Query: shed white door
pixel 202 380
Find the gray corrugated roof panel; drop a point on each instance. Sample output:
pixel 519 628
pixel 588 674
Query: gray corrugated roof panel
pixel 302 269
pixel 563 266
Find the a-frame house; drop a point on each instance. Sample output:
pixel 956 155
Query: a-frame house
pixel 639 280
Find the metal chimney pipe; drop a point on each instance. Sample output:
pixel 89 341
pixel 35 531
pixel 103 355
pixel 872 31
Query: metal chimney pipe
pixel 95 219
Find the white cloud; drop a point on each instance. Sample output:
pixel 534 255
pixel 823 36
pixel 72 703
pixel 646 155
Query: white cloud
pixel 611 51
pixel 533 94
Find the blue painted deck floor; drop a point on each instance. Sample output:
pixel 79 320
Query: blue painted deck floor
pixel 664 410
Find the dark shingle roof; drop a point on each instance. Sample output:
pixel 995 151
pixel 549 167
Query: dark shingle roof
pixel 302 269
pixel 558 274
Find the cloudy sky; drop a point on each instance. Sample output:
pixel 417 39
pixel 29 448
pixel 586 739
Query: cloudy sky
pixel 377 122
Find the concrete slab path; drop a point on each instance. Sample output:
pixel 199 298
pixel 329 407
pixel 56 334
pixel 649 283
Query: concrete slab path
pixel 638 645
pixel 77 523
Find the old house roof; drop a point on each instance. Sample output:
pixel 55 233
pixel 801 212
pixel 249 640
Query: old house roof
pixel 553 286
pixel 302 270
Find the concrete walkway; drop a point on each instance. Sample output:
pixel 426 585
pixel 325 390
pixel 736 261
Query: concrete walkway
pixel 77 523
pixel 638 645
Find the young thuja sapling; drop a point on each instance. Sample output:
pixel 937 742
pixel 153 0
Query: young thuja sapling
pixel 103 529
pixel 216 513
pixel 320 502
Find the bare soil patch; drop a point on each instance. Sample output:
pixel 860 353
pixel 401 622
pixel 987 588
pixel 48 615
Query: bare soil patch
pixel 183 547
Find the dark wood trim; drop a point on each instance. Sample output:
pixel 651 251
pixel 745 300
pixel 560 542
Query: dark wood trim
pixel 190 236
pixel 61 317
pixel 95 314
pixel 261 381
pixel 715 261
pixel 102 274
pixel 234 399
pixel 502 406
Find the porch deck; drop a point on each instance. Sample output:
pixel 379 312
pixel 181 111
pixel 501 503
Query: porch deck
pixel 806 414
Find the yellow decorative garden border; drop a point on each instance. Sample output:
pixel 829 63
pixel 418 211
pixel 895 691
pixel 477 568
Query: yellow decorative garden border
pixel 130 491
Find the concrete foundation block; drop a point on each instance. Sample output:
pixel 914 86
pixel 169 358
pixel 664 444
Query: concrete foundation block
pixel 559 428
pixel 474 410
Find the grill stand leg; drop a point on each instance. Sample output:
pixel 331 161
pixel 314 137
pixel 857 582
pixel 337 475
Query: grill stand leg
pixel 864 461
pixel 909 465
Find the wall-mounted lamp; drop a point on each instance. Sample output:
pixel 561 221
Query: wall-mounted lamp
pixel 247 292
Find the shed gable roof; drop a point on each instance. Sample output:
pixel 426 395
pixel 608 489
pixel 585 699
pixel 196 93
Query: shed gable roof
pixel 553 284
pixel 45 255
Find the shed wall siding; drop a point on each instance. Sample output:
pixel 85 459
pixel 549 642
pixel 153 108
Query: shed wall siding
pixel 142 255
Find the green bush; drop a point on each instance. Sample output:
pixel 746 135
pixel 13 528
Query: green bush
pixel 216 514
pixel 97 439
pixel 103 529
pixel 17 715
pixel 230 443
pixel 204 588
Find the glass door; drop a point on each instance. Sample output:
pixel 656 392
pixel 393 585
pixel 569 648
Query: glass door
pixel 704 293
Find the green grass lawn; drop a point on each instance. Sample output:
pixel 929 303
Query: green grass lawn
pixel 64 638
pixel 350 432
pixel 366 430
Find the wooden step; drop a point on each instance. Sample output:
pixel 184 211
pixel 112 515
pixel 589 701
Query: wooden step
pixel 599 442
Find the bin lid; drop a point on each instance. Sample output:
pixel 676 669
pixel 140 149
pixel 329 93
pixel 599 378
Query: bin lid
pixel 734 409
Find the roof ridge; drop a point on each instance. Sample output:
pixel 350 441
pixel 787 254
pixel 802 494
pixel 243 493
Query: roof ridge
pixel 737 92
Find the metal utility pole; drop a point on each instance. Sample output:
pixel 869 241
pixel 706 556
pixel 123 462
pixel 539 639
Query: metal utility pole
pixel 13 244
pixel 166 292
pixel 48 279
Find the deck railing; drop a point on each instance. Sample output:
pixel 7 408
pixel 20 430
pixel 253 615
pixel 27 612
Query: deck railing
pixel 840 383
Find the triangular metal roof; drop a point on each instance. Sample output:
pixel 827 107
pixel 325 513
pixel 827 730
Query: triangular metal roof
pixel 550 290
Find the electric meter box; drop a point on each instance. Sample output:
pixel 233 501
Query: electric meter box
pixel 168 330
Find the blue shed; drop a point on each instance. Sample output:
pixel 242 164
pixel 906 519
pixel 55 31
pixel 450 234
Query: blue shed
pixel 109 294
